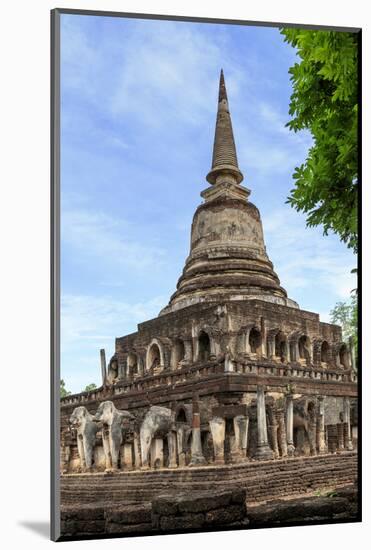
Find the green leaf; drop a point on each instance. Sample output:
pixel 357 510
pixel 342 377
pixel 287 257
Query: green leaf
pixel 324 101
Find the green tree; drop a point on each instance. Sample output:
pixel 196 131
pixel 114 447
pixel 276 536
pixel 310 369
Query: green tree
pixel 324 101
pixel 63 391
pixel 90 387
pixel 345 314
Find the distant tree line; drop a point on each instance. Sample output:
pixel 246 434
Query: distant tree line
pixel 64 392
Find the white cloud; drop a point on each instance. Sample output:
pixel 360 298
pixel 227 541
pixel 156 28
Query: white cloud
pixel 267 158
pixel 89 323
pixel 106 238
pixel 275 119
pixel 267 145
pixel 97 318
pixel 306 260
pixel 81 61
pixel 158 72
pixel 117 142
pixel 161 83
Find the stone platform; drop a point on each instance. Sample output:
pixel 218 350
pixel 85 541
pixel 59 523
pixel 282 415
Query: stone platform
pixel 262 481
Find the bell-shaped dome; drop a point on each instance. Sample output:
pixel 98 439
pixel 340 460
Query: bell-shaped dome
pixel 228 259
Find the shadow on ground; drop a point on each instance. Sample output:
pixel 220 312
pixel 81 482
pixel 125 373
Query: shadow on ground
pixel 41 528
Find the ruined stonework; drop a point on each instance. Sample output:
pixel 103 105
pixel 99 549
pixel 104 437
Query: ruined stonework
pixel 232 371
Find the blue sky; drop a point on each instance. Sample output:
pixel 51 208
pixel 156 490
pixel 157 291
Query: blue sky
pixel 139 102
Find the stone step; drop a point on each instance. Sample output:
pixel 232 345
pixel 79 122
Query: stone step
pixel 159 484
pixel 235 470
pixel 119 479
pixel 271 480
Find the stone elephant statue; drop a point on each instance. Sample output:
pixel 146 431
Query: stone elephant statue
pixel 115 426
pixel 158 422
pixel 305 416
pixel 83 422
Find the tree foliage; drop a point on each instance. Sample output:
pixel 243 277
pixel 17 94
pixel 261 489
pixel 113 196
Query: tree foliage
pixel 90 387
pixel 63 391
pixel 345 314
pixel 324 101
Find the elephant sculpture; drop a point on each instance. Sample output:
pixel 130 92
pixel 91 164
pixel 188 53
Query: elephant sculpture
pixel 83 422
pixel 158 422
pixel 115 425
pixel 305 416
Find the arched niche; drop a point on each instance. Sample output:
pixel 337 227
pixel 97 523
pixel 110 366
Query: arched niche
pixel 181 416
pixel 255 340
pixel 204 346
pixel 155 356
pixel 325 352
pixel 241 342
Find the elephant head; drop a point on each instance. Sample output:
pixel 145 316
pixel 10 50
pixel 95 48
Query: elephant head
pixel 104 412
pixel 107 413
pixel 79 417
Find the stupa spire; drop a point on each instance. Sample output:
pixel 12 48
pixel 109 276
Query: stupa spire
pixel 228 260
pixel 224 161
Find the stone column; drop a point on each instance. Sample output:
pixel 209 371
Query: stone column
pixel 240 426
pixel 103 366
pixel 166 358
pixel 263 333
pixel 216 346
pixel 195 348
pixel 121 371
pixel 321 442
pixel 197 458
pixel 188 351
pixel 311 353
pixel 140 365
pixel 273 348
pixel 282 433
pixel 290 425
pixel 273 426
pixel 247 341
pixel 263 451
pixel 171 442
pixel 231 345
pixel 217 427
pixel 228 363
pixel 297 354
pixel 348 431
pixel 287 352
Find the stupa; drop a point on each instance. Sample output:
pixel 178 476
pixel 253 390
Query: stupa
pixel 240 370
